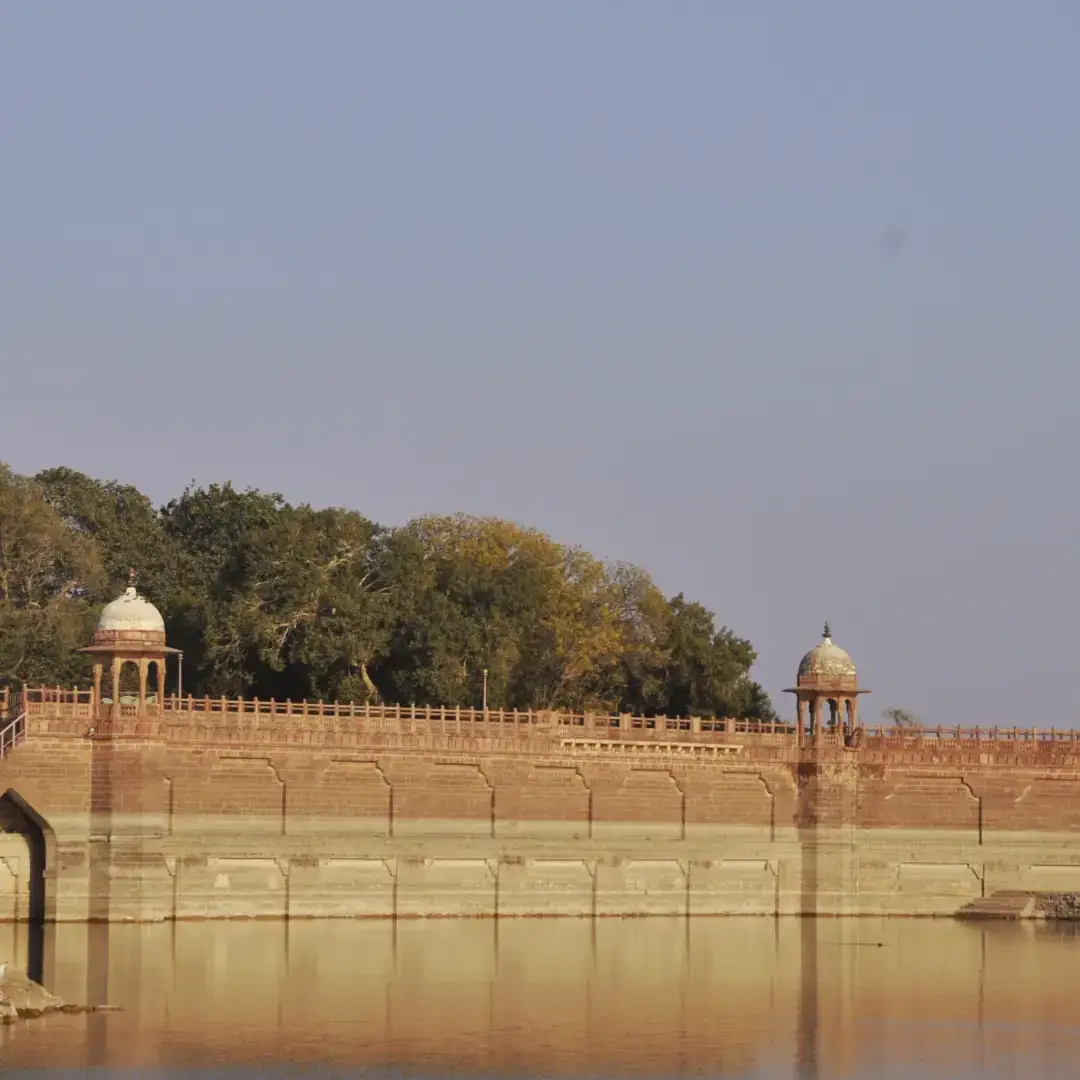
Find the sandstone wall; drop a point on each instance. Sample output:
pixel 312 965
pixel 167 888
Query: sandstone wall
pixel 187 818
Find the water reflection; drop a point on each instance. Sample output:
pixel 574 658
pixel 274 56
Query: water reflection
pixel 755 997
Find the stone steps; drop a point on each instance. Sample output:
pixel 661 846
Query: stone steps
pixel 1006 904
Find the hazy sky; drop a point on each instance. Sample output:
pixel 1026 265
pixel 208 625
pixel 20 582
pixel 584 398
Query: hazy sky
pixel 778 300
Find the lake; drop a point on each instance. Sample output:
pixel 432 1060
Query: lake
pixel 821 998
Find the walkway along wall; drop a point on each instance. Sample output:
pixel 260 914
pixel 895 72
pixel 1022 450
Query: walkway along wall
pixel 199 809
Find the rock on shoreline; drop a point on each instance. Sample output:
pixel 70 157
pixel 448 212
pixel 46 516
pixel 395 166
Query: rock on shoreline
pixel 22 999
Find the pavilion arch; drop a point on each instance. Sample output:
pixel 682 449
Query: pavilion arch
pixel 155 679
pixel 128 680
pixel 18 817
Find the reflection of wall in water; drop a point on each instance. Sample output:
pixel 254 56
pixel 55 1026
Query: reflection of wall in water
pixel 569 995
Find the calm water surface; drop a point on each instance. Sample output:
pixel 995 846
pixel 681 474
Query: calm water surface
pixel 728 997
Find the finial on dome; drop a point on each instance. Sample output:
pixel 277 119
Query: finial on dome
pixel 828 632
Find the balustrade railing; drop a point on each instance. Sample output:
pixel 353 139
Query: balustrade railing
pixel 63 702
pixel 943 734
pixel 12 732
pixel 60 701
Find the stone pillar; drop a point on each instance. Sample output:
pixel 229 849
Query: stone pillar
pixel 116 664
pixel 143 665
pixel 97 687
pixel 160 666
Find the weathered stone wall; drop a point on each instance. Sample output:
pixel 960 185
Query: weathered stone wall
pixel 186 816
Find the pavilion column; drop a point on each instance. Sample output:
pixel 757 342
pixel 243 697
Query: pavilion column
pixel 800 717
pixel 97 687
pixel 143 665
pixel 116 663
pixel 160 668
pixel 815 721
pixel 852 714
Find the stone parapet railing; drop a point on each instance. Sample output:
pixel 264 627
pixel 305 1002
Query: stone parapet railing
pixel 57 702
pixel 70 708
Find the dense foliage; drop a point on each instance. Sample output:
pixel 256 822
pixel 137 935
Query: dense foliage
pixel 272 600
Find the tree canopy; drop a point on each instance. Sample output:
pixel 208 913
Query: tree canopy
pixel 274 600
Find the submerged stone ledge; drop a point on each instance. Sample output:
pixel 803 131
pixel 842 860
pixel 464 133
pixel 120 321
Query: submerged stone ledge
pixel 1022 904
pixel 1064 905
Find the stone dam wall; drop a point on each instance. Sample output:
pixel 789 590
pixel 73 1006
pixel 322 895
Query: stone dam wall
pixel 214 810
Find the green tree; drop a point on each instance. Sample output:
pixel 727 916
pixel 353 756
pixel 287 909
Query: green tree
pixel 273 600
pixel 126 530
pixel 50 576
pixel 901 718
pixel 211 526
pixel 697 670
pixel 305 612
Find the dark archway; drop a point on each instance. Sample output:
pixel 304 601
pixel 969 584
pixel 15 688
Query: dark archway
pixel 154 673
pixel 129 682
pixel 19 818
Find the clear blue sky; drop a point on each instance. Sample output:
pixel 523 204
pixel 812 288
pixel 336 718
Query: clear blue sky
pixel 778 300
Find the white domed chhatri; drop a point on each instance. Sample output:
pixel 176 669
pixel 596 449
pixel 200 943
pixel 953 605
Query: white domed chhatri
pixel 131 612
pixel 827 683
pixel 130 631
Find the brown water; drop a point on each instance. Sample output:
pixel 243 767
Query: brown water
pixel 733 997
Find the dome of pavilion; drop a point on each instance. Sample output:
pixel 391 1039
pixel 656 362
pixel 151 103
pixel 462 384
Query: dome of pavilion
pixel 130 618
pixel 827 661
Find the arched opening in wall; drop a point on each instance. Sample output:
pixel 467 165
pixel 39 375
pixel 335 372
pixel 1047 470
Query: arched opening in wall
pixel 25 845
pixel 129 683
